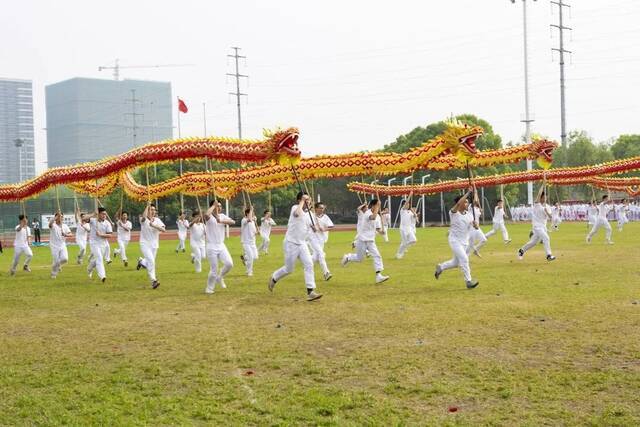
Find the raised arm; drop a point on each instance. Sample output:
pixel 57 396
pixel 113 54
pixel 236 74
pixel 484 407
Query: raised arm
pixel 458 206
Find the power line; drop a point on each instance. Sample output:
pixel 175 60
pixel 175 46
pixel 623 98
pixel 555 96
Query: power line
pixel 133 115
pixel 561 50
pixel 237 93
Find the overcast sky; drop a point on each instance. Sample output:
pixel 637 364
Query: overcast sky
pixel 352 75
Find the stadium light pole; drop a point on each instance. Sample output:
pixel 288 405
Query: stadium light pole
pixel 373 182
pixel 389 181
pixel 527 118
pixel 19 144
pixel 423 205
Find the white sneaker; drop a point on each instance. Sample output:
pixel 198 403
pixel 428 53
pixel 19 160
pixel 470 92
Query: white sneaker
pixel 327 276
pixel 399 256
pixel 12 272
pixel 345 260
pixel 209 291
pixel 272 284
pixel 250 274
pixel 381 278
pixel 588 239
pixel 609 242
pixel 313 295
pixel 221 283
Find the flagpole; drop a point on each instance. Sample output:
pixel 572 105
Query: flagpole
pixel 204 122
pixel 179 136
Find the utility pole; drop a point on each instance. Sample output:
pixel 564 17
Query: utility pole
pixel 134 116
pixel 237 93
pixel 527 118
pixel 561 50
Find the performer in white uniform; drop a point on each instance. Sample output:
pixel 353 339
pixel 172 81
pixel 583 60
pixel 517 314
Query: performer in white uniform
pixel 623 212
pixel 499 215
pixel 386 220
pixel 477 239
pixel 197 240
pixel 601 220
pixel 58 233
pixel 539 216
pixel 100 231
pixel 21 245
pixel 265 231
pixel 370 223
pixel 150 228
pixel 124 227
pixel 295 247
pixel 248 231
pixel 183 226
pixel 408 220
pixel 556 217
pixel 215 223
pixel 318 236
pixel 461 224
pixel 592 212
pixel 82 232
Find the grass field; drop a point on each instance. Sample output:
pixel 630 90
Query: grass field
pixel 536 343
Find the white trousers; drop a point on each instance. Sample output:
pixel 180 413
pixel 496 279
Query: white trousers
pixel 407 238
pixel 317 253
pixel 362 247
pixel 250 255
pixel 60 256
pixel 82 248
pixel 98 256
pixel 385 236
pixel 293 252
pixel 149 260
pixel 539 234
pixel 216 255
pixel 18 251
pixel 198 253
pixel 122 249
pixel 498 226
pixel 622 221
pixel 460 259
pixel 476 236
pixel 182 237
pixel 601 223
pixel 266 240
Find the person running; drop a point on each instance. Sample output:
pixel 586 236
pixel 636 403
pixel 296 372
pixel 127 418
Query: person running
pixel 623 212
pixel 150 228
pixel 318 236
pixel 215 229
pixel 100 231
pixel 124 227
pixel 295 247
pixel 82 232
pixel 539 216
pixel 408 220
pixel 556 217
pixel 499 215
pixel 197 241
pixel 459 237
pixel 21 245
pixel 477 239
pixel 58 233
pixel 366 240
pixel 248 231
pixel 601 220
pixel 265 230
pixel 183 226
pixel 385 218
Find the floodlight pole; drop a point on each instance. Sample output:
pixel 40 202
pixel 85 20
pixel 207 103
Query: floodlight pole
pixel 389 181
pixel 423 202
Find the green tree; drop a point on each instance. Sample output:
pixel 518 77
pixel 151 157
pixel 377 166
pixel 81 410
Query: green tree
pixel 626 146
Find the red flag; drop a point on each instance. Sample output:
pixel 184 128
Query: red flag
pixel 182 107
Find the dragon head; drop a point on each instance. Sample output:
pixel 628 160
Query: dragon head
pixel 462 138
pixel 542 150
pixel 285 144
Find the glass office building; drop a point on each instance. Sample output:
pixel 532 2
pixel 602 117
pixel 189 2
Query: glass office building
pixel 17 150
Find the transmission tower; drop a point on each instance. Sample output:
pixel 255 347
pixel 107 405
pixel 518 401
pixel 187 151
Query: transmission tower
pixel 561 51
pixel 237 93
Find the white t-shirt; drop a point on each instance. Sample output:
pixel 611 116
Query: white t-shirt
pixel 149 235
pixel 196 236
pixel 498 216
pixel 21 240
pixel 603 210
pixel 297 227
pixel 359 223
pixel 82 231
pixel 124 230
pixel 539 215
pixel 265 226
pixel 321 221
pixel 461 224
pixel 57 234
pixel 247 231
pixel 369 226
pixel 215 232
pixel 103 227
pixel 183 226
pixel 407 220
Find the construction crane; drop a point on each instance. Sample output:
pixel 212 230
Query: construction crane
pixel 116 68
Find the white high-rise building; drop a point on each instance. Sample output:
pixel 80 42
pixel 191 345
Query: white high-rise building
pixel 17 151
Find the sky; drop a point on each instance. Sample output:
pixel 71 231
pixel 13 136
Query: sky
pixel 351 75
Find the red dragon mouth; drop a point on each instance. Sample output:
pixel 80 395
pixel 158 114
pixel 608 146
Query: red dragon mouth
pixel 547 153
pixel 289 144
pixel 468 142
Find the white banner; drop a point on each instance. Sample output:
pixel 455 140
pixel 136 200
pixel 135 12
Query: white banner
pixel 69 219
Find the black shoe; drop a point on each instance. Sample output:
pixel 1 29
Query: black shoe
pixel 155 284
pixel 242 259
pixel 471 284
pixel 104 279
pixel 520 253
pixel 126 263
pixel 550 257
pixel 183 251
pixel 139 266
